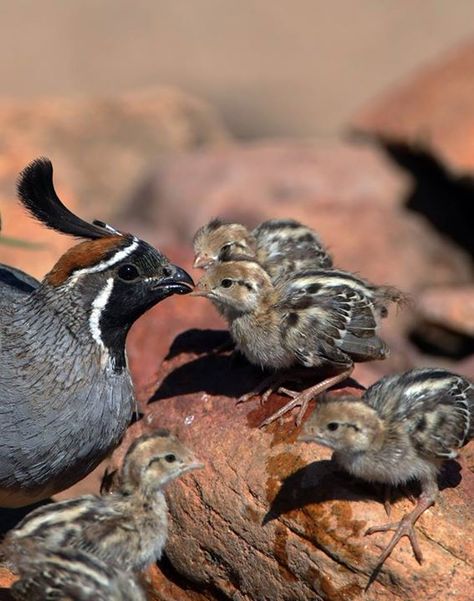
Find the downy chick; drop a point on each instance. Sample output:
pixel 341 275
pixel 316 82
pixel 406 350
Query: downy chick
pixel 71 575
pixel 127 528
pixel 281 246
pixel 403 428
pixel 311 319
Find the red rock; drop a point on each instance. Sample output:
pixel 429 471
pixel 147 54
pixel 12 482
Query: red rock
pixel 433 107
pixel 270 518
pixel 6 580
pixel 452 307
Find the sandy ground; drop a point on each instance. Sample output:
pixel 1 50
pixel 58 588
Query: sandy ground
pixel 271 67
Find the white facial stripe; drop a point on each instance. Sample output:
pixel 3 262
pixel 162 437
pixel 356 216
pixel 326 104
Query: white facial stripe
pixel 116 258
pixel 98 306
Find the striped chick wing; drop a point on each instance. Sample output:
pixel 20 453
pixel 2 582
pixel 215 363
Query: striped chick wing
pixel 285 246
pixel 326 318
pixel 71 575
pixel 436 406
pixel 81 523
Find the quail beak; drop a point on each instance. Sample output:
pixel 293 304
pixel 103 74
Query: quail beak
pixel 176 281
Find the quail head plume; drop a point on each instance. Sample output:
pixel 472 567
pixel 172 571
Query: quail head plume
pixel 403 428
pixel 281 246
pixel 127 528
pixel 311 319
pixel 66 397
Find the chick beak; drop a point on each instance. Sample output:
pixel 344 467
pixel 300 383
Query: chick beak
pixel 175 281
pixel 201 262
pixel 306 438
pixel 199 290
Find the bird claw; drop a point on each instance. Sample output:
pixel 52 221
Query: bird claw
pixel 299 400
pixel 402 528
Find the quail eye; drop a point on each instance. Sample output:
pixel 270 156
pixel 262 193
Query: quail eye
pixel 170 458
pixel 128 273
pixel 226 283
pixel 332 426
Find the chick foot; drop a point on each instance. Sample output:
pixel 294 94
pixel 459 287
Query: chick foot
pixel 264 389
pixel 302 399
pixel 405 527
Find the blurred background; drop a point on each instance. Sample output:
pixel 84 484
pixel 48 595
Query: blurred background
pixel 269 68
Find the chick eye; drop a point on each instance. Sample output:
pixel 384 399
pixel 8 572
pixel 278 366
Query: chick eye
pixel 332 426
pixel 226 283
pixel 170 458
pixel 128 272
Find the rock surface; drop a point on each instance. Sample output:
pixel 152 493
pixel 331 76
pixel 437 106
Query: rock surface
pixel 452 307
pixel 433 107
pixel 270 518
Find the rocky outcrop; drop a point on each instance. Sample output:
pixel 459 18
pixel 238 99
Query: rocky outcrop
pixel 271 518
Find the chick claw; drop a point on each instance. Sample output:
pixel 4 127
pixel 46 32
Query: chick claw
pixel 269 385
pixel 404 527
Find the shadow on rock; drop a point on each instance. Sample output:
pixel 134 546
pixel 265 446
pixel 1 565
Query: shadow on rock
pixel 324 481
pixel 200 342
pixel 220 375
pixel 443 197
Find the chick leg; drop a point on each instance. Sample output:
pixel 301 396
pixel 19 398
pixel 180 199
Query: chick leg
pixel 267 386
pixel 405 527
pixel 301 399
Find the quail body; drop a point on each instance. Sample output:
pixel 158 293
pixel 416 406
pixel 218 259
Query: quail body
pixel 403 428
pixel 281 246
pixel 71 575
pixel 66 396
pixel 126 528
pixel 311 319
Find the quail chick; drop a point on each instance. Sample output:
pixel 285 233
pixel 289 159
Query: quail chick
pixel 311 319
pixel 282 246
pixel 127 528
pixel 403 428
pixel 66 397
pixel 71 575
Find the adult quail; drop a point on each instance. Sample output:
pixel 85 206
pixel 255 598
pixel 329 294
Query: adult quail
pixel 71 575
pixel 313 318
pixel 126 528
pixel 66 396
pixel 403 428
pixel 281 246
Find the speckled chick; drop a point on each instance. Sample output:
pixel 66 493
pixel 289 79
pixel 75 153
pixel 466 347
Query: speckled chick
pixel 314 318
pixel 127 528
pixel 281 246
pixel 71 575
pixel 403 428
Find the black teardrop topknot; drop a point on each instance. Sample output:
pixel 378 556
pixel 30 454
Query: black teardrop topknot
pixel 36 191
